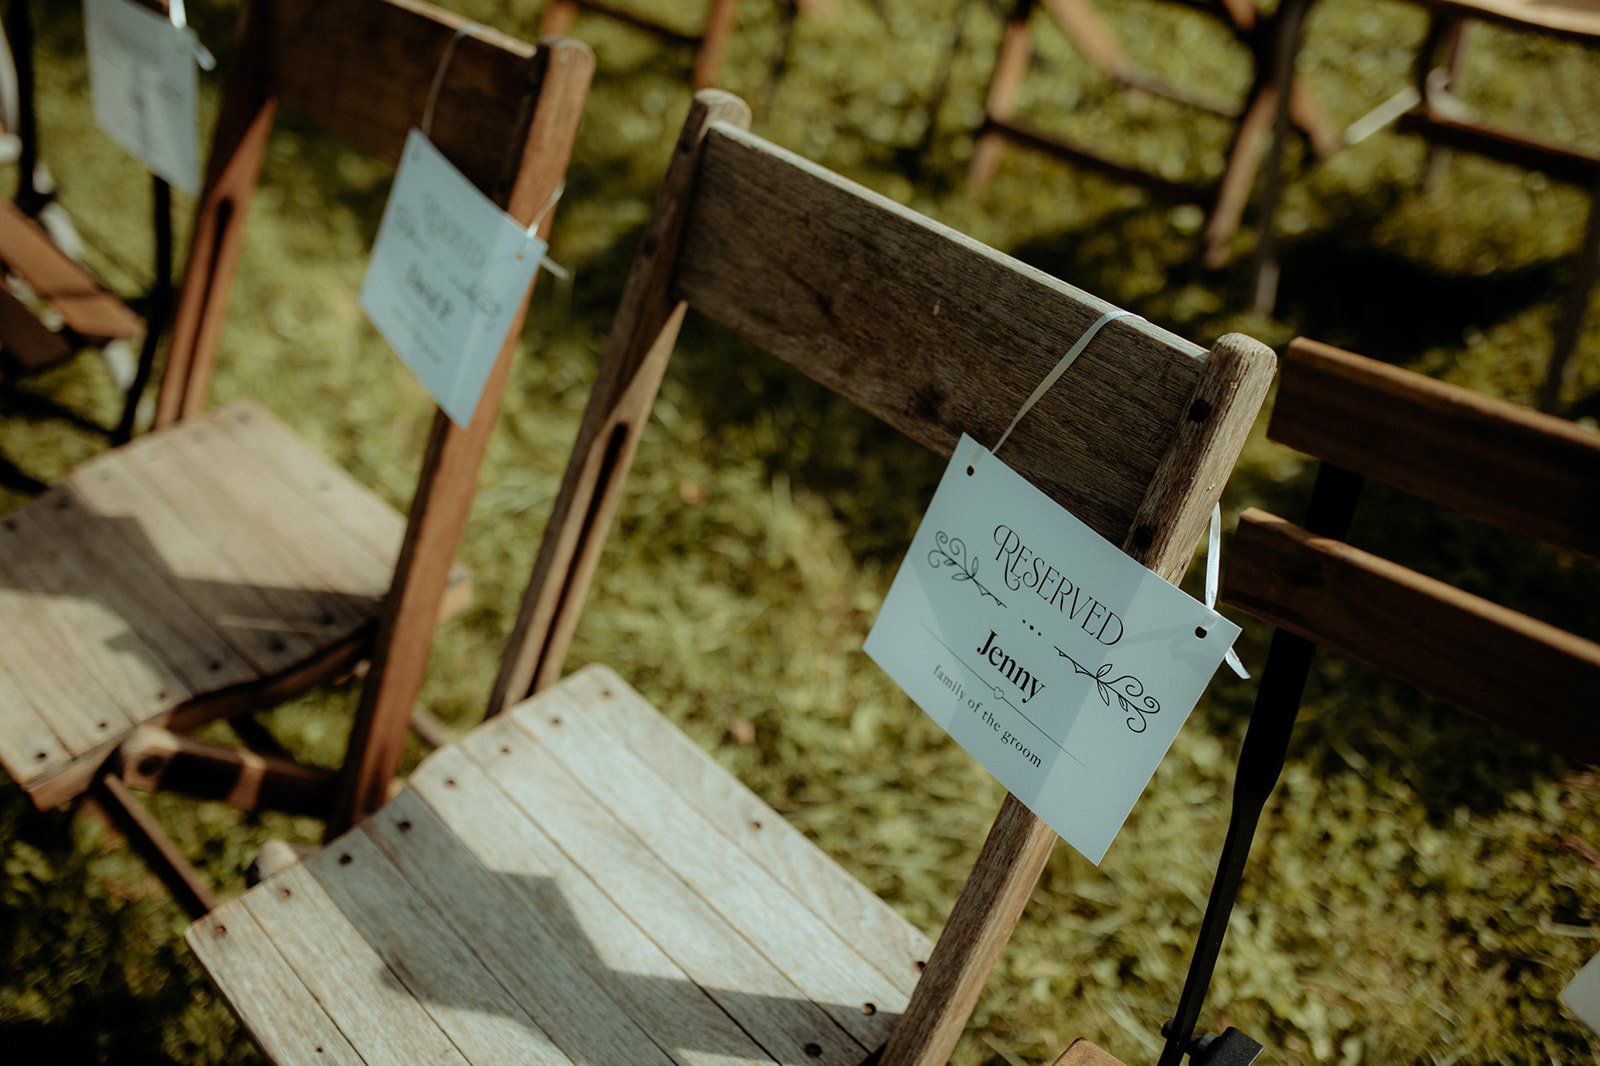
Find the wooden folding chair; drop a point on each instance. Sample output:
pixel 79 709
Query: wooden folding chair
pixel 70 310
pixel 710 44
pixel 1269 41
pixel 1524 472
pixel 218 565
pixel 576 881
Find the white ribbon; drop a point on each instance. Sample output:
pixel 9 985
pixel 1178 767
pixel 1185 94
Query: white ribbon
pixel 1213 580
pixel 180 22
pixel 1054 376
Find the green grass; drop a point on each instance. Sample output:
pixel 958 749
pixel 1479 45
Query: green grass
pixel 1424 884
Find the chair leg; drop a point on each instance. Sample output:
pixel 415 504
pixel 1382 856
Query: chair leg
pixel 558 18
pixel 1291 20
pixel 117 805
pixel 156 311
pixel 1569 328
pixel 714 45
pixel 1244 162
pixel 1451 42
pixel 1009 68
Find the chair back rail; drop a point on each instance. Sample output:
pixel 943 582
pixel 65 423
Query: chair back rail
pixel 1516 671
pixel 1514 468
pixel 935 335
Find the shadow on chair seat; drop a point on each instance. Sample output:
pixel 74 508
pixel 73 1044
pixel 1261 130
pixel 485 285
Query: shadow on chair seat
pixel 181 577
pixel 576 875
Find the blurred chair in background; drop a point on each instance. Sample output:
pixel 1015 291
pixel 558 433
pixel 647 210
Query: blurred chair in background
pixel 51 306
pixel 218 566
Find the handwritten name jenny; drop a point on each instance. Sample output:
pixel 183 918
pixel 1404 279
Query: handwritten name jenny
pixel 1027 569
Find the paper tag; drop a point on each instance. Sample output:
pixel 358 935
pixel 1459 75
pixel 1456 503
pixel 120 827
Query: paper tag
pixel 1062 665
pixel 449 271
pixel 142 75
pixel 1582 996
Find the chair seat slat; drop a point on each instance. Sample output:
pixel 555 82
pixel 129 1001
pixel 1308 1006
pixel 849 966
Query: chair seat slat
pixel 288 1023
pixel 899 948
pixel 712 951
pixel 367 1000
pixel 803 944
pixel 542 926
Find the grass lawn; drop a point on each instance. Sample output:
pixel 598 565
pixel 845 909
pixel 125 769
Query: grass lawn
pixel 1424 884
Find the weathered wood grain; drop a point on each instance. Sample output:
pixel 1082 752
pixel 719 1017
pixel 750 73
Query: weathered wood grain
pixel 438 969
pixel 1524 674
pixel 820 272
pixel 696 932
pixel 894 945
pixel 1524 471
pixel 822 963
pixel 526 910
pixel 1210 431
pixel 126 581
pixel 247 969
pixel 367 1000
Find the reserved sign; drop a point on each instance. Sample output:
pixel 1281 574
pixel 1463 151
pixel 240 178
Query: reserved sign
pixel 1060 663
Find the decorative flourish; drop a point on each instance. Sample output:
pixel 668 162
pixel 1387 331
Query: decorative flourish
pixel 1128 691
pixel 952 552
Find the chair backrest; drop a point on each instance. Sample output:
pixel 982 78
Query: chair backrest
pixel 1522 471
pixel 934 334
pixel 506 114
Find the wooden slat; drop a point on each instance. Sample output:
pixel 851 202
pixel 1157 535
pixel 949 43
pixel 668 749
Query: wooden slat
pixel 324 484
pixel 39 658
pixel 29 748
pixel 126 581
pixel 26 346
pixel 270 1000
pixel 821 272
pixel 804 946
pixel 1083 1053
pixel 1559 161
pixel 255 589
pixel 441 972
pixel 365 998
pixel 1524 471
pixel 1511 669
pixel 65 595
pixel 152 758
pixel 1573 19
pixel 709 949
pixel 894 945
pixel 260 505
pixel 600 988
pixel 259 527
pixel 87 309
pixel 362 71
